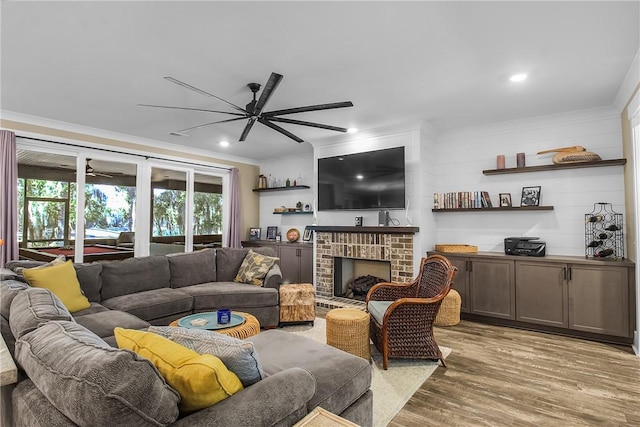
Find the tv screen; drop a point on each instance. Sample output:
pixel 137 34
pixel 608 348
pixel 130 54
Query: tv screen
pixel 370 180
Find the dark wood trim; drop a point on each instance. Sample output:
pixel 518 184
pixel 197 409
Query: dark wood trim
pixel 599 163
pixel 354 229
pixel 291 187
pixel 502 208
pixel 567 259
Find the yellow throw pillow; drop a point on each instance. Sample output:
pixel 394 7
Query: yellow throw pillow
pixel 254 268
pixel 201 380
pixel 60 279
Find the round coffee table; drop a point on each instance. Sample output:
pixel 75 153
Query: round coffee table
pixel 250 327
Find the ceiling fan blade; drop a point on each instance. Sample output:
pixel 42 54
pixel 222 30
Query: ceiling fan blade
pixel 206 124
pixel 308 108
pixel 279 129
pixel 269 88
pixel 102 174
pixel 200 91
pixel 192 109
pixel 303 123
pixel 247 128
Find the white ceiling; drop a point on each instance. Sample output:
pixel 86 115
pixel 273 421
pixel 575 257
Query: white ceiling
pixel 91 63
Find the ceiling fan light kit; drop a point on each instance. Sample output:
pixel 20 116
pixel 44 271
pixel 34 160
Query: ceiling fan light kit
pixel 254 110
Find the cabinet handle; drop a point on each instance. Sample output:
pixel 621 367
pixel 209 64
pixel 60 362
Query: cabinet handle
pixel 569 273
pixel 470 266
pixel 564 273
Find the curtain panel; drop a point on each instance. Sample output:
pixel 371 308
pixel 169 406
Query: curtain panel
pixel 9 197
pixel 233 236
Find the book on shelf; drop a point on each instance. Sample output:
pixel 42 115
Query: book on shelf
pixel 462 200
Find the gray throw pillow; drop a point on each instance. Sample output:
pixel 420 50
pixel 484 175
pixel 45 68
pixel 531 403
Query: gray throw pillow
pixel 92 383
pixel 239 356
pixel 34 306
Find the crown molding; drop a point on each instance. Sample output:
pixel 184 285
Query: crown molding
pixel 629 84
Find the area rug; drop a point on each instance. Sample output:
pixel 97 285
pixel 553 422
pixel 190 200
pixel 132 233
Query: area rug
pixel 392 388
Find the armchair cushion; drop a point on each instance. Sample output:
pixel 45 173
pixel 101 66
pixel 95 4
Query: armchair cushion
pixel 377 309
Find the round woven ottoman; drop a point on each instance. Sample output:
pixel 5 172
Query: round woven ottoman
pixel 449 313
pixel 348 330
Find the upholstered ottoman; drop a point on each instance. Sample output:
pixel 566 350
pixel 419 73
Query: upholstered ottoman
pixel 348 330
pixel 297 303
pixel 449 313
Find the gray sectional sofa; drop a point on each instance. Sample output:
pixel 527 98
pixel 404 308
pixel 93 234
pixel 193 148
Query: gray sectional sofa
pixel 71 373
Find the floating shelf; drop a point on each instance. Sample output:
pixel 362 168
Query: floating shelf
pixel 293 213
pixel 291 187
pixel 514 208
pixel 599 163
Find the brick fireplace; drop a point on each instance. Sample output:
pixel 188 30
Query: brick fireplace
pixel 393 244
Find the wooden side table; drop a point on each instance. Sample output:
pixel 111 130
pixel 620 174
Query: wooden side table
pixel 8 377
pixel 249 328
pixel 297 303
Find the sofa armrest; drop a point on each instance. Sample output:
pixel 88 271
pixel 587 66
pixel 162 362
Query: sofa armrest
pixel 273 277
pixel 278 400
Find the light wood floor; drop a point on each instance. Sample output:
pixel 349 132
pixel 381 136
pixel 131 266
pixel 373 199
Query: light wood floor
pixel 498 376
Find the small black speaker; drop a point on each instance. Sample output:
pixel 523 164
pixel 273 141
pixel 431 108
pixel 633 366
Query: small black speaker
pixel 358 221
pixel 383 219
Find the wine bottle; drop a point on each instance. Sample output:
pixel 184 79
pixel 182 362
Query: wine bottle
pixel 604 235
pixel 612 227
pixel 595 243
pixel 594 218
pixel 604 253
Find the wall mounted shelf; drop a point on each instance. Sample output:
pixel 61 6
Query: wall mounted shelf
pixel 292 187
pixel 293 213
pixel 514 208
pixel 599 163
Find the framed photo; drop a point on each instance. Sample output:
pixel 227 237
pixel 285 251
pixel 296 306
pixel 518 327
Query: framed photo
pixel 254 233
pixel 530 196
pixel 306 236
pixel 272 232
pixel 505 200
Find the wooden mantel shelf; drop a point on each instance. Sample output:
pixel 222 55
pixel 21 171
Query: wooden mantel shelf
pixel 599 163
pixel 363 229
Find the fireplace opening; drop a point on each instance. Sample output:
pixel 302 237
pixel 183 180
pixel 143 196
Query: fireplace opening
pixel 352 277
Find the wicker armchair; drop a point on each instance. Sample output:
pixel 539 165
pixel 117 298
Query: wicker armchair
pixel 402 315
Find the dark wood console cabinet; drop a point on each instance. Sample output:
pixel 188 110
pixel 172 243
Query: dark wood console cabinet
pixel 296 259
pixel 563 294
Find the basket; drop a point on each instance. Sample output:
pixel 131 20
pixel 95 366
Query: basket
pixel 456 248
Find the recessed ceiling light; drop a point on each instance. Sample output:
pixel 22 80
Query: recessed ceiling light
pixel 518 77
pixel 224 143
pixel 359 176
pixel 352 130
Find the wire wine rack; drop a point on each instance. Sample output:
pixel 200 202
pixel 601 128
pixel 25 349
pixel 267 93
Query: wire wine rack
pixel 603 236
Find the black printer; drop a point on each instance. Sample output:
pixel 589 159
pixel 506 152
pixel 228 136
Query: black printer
pixel 524 246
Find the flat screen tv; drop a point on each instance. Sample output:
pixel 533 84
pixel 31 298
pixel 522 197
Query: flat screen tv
pixel 369 180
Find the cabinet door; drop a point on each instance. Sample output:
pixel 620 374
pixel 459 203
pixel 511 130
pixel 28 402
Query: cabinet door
pixel 461 281
pixel 541 293
pixel 306 264
pixel 289 263
pixel 599 299
pixel 492 288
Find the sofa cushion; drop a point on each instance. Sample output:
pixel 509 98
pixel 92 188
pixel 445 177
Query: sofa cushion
pixel 93 308
pixel 8 290
pixel 35 306
pixel 139 274
pixel 254 268
pixel 229 260
pixel 61 280
pixel 103 323
pixel 209 296
pixel 239 356
pixel 341 378
pixel 92 383
pixel 201 380
pixel 152 304
pixel 192 268
pixel 90 278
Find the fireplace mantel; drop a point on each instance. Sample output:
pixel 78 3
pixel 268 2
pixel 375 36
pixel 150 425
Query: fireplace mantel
pixel 362 229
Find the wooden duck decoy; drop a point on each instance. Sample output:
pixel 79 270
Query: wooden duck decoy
pixel 575 154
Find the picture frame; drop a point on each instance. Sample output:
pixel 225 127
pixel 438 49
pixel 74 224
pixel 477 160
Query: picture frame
pixel 308 233
pixel 530 196
pixel 272 232
pixel 505 200
pixel 254 233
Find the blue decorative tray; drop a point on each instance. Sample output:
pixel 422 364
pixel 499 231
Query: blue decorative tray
pixel 211 319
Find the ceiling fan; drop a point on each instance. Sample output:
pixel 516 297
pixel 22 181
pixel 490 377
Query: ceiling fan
pixel 254 110
pixel 90 171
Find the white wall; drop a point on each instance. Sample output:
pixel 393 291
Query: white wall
pixel 462 155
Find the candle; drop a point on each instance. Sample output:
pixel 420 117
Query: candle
pixel 520 160
pixel 500 161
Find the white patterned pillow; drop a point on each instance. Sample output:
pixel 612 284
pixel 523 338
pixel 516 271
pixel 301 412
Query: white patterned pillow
pixel 240 357
pixel 254 268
